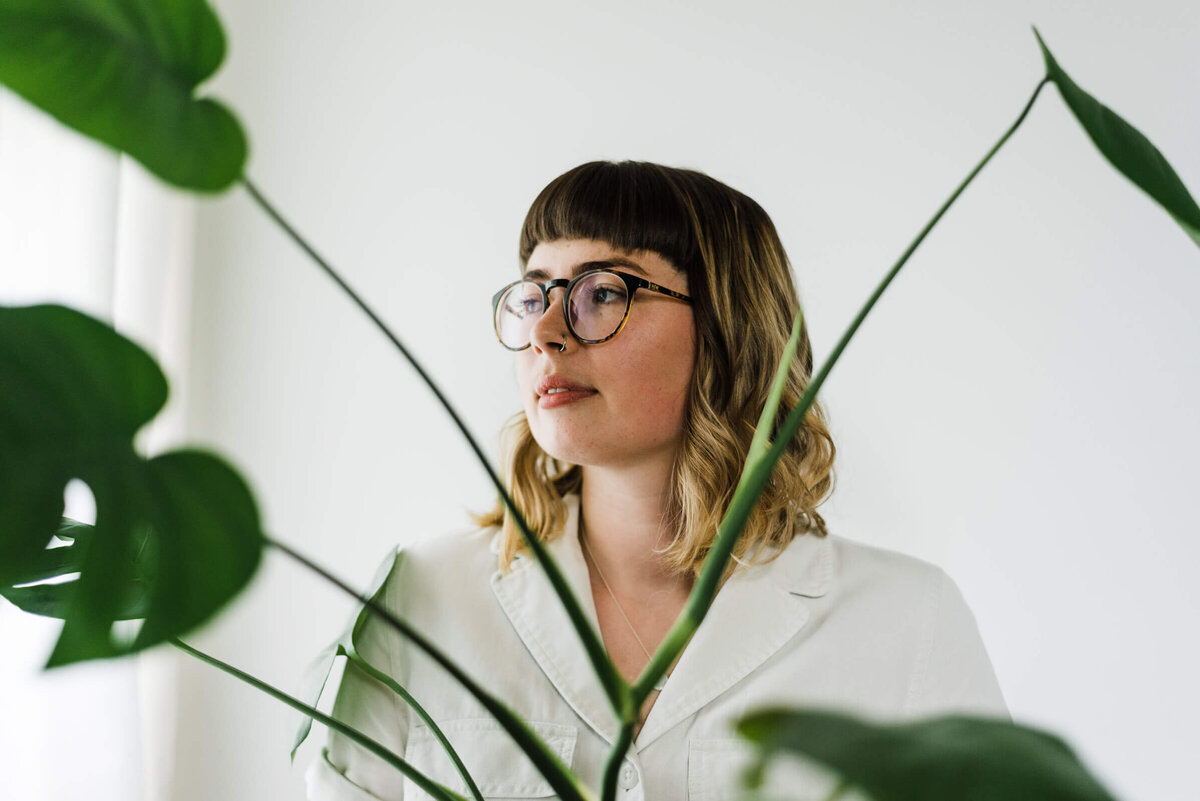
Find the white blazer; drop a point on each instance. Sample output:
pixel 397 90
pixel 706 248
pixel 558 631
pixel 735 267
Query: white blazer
pixel 829 623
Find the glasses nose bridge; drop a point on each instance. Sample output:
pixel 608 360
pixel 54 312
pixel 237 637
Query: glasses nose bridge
pixel 538 327
pixel 544 327
pixel 558 283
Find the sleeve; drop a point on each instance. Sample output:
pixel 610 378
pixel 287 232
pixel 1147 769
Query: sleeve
pixel 345 771
pixel 952 672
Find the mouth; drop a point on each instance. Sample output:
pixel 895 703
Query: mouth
pixel 556 390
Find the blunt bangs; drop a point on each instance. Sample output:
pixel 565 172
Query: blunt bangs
pixel 630 205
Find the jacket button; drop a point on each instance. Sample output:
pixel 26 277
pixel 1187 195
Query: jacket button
pixel 629 777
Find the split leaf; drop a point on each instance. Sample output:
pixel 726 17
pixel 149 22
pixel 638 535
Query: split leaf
pixel 176 536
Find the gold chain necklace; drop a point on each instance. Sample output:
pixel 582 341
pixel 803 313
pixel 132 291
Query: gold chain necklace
pixel 662 681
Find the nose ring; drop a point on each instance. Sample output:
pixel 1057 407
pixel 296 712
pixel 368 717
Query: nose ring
pixel 563 345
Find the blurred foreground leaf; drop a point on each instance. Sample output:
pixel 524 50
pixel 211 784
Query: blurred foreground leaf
pixel 942 759
pixel 176 536
pixel 125 72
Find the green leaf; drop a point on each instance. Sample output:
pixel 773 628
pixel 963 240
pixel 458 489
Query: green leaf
pixel 54 600
pixel 176 536
pixel 125 72
pixel 205 541
pixel 952 758
pixel 1126 148
pixel 317 674
pixel 53 562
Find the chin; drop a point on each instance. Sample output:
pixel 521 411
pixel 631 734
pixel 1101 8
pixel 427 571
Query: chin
pixel 590 453
pixel 567 447
pixel 594 442
pixel 566 452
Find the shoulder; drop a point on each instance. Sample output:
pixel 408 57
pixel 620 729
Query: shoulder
pixel 453 562
pixel 889 585
pixel 927 616
pixel 838 567
pixel 868 589
pixel 910 614
pixel 867 568
pixel 455 550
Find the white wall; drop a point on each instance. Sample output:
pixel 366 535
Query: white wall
pixel 1018 409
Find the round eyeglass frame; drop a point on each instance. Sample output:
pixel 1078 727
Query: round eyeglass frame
pixel 632 284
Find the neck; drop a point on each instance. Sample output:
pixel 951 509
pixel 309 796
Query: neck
pixel 623 516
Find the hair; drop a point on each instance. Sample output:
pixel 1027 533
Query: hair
pixel 744 302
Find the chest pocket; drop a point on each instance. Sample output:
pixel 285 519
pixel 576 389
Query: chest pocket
pixel 715 769
pixel 495 762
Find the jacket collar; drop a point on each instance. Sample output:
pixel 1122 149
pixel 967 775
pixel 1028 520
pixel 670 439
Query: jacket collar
pixel 758 609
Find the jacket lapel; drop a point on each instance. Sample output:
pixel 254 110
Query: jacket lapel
pixel 537 615
pixel 757 611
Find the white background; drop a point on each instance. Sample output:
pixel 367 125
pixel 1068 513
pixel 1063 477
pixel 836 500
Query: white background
pixel 1019 408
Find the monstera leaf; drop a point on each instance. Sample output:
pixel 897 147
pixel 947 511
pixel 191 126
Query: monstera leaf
pixel 125 72
pixel 942 759
pixel 176 536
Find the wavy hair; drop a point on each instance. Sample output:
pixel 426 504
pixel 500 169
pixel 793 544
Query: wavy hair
pixel 744 302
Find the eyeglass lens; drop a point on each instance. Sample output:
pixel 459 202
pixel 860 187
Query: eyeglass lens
pixel 596 307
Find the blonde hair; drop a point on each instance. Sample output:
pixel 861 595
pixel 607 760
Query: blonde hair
pixel 744 301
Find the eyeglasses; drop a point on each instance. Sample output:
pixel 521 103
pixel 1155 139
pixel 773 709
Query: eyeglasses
pixel 596 306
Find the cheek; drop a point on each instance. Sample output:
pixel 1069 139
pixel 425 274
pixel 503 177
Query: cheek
pixel 525 365
pixel 681 380
pixel 659 394
pixel 679 362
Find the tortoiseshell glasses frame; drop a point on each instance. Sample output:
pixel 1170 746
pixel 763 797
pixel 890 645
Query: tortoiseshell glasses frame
pixel 632 283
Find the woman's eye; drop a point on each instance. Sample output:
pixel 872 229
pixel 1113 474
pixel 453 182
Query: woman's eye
pixel 607 294
pixel 524 308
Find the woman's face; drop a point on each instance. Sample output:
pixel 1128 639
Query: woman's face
pixel 626 397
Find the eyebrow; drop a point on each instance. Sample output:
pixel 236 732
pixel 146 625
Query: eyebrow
pixel 582 267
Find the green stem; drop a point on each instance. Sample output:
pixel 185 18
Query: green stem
pixel 395 687
pixel 612 768
pixel 614 685
pixel 428 785
pixel 546 761
pixel 758 470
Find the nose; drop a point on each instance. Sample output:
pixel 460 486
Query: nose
pixel 550 330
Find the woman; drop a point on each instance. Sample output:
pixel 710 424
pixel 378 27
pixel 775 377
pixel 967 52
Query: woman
pixel 641 391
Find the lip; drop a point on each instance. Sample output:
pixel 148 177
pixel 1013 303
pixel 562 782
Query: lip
pixel 569 391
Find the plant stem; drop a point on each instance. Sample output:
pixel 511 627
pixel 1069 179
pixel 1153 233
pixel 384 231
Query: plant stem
pixel 758 470
pixel 428 785
pixel 614 686
pixel 612 768
pixel 547 762
pixel 395 687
